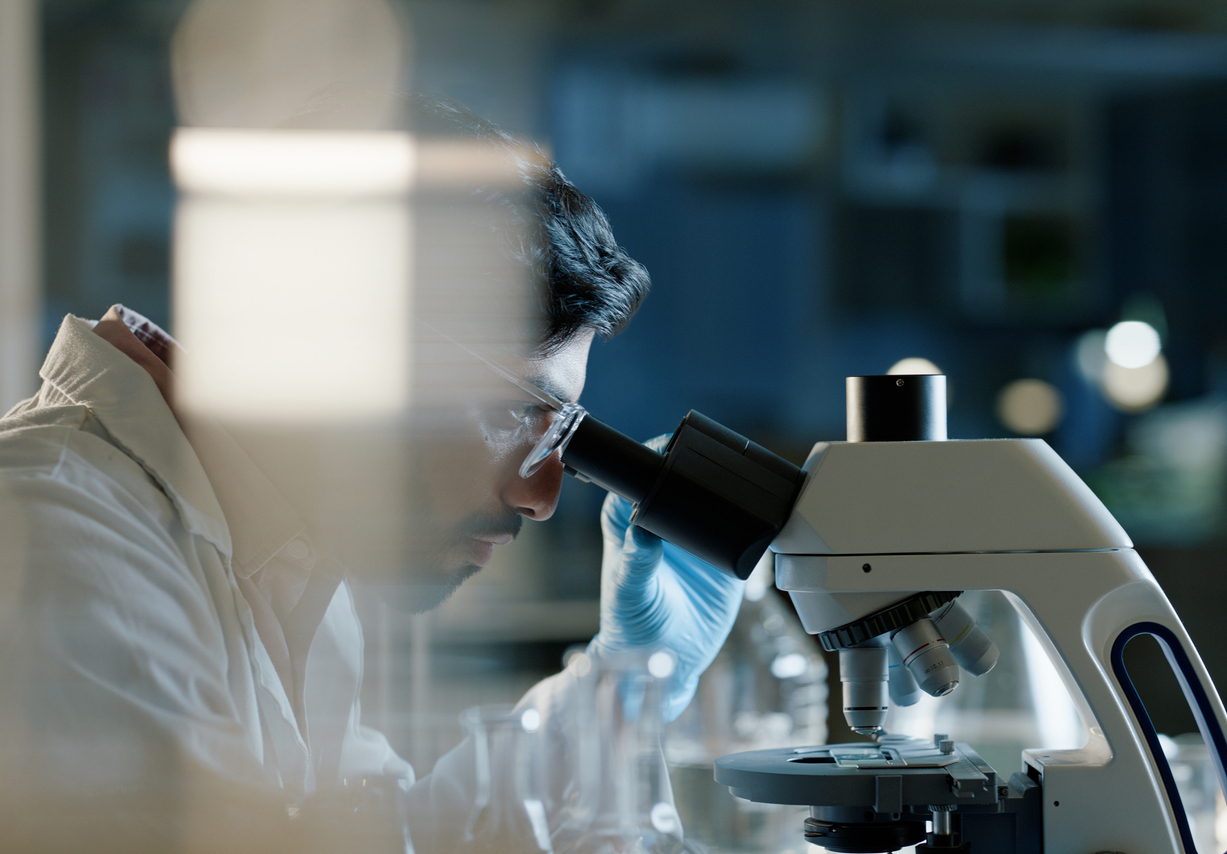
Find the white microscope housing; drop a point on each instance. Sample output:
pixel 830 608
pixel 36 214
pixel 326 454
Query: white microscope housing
pixel 874 538
pixel 880 521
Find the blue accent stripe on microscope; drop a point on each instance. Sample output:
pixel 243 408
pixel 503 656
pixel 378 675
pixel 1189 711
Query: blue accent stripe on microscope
pixel 1199 703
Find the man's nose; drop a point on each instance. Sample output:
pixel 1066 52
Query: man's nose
pixel 536 497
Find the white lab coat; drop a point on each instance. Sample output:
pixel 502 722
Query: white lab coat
pixel 146 645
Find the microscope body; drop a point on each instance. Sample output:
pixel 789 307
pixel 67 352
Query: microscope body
pixel 877 522
pixel 874 539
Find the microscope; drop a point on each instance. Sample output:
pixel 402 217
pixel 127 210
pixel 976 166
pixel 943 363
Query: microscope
pixel 874 539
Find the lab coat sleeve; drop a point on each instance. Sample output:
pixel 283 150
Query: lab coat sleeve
pixel 118 703
pixel 445 805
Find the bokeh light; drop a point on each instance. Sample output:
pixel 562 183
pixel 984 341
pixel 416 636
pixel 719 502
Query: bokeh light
pixel 790 665
pixel 530 720
pixel 1091 355
pixel 1132 344
pixel 1135 389
pixel 914 365
pixel 1030 407
pixel 661 664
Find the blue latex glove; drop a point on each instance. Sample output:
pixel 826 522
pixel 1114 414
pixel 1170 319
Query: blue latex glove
pixel 654 594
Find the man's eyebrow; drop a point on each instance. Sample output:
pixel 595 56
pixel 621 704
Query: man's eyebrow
pixel 547 385
pixel 540 387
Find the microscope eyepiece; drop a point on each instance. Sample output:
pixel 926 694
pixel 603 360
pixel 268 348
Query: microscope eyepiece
pixel 599 453
pixel 713 492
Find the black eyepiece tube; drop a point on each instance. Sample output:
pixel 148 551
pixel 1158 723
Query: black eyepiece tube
pixel 720 496
pixel 713 492
pixel 612 460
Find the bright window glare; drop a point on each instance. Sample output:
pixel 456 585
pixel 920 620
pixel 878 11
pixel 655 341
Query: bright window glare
pixel 286 162
pixel 914 365
pixel 325 289
pixel 1132 344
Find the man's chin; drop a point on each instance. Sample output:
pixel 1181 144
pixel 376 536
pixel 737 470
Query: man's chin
pixel 427 597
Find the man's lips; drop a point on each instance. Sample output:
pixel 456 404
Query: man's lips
pixel 495 539
pixel 482 546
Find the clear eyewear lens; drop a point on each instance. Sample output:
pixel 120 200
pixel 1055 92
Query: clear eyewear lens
pixel 560 431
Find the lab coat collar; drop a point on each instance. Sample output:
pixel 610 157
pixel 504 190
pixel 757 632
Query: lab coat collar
pixel 264 522
pixel 124 381
pixel 88 371
pixel 260 520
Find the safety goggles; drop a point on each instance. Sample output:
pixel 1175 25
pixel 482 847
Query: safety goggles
pixel 559 420
pixel 554 421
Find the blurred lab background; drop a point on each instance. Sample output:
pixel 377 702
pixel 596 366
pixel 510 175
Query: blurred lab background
pixel 1031 196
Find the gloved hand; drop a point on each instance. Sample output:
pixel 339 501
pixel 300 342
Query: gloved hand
pixel 656 594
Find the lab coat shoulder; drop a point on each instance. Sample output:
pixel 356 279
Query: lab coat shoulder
pixel 74 505
pixel 113 645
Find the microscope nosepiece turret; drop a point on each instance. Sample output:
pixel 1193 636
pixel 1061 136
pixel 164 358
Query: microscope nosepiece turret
pixel 863 675
pixel 927 655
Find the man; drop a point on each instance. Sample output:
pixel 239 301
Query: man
pixel 180 665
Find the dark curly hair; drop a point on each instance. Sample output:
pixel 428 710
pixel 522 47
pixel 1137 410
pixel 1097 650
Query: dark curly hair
pixel 584 279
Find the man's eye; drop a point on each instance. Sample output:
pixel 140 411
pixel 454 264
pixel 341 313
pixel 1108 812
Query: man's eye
pixel 516 415
pixel 520 414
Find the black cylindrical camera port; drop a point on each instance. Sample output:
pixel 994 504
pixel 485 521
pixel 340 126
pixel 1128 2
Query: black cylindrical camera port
pixel 897 408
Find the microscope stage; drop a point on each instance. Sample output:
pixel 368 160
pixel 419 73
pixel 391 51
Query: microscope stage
pixel 886 776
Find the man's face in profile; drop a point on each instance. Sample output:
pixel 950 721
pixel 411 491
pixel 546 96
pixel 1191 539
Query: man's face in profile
pixel 469 497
